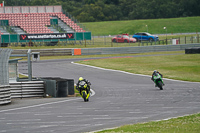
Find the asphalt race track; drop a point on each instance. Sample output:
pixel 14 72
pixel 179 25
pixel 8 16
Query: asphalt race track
pixel 120 98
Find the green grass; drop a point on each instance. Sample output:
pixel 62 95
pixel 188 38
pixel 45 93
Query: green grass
pixel 182 67
pixel 155 26
pixel 187 124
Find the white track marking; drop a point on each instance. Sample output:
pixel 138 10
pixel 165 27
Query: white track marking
pixel 43 104
pixel 38 105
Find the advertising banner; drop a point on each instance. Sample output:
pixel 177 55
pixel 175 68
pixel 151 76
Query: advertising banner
pixel 25 9
pixel 46 36
pixel 16 9
pixel 8 9
pixel 33 9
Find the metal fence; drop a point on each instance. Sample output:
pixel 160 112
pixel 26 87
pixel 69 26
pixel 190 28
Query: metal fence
pixel 106 41
pixel 87 41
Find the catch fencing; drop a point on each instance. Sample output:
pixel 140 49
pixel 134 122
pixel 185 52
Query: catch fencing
pixel 4 58
pixel 86 40
pixel 106 41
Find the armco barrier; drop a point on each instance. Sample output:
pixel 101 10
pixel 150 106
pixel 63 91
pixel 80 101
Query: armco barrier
pixel 44 52
pixel 5 95
pixel 131 50
pixel 111 50
pixel 27 89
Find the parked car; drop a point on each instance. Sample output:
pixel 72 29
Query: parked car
pixel 144 36
pixel 123 39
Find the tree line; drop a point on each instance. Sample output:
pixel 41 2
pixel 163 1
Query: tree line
pixel 112 10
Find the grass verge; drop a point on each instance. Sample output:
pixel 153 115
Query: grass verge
pixel 186 124
pixel 182 67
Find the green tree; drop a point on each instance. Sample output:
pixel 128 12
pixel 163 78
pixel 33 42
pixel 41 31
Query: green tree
pixel 108 10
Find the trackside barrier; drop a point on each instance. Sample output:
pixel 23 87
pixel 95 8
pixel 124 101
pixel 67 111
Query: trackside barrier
pixel 111 50
pixel 192 50
pixel 5 95
pixel 58 87
pixel 4 76
pixel 27 89
pixel 43 52
pixel 132 50
pixel 76 51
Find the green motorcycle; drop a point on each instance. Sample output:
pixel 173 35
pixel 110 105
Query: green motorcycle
pixel 84 90
pixel 157 78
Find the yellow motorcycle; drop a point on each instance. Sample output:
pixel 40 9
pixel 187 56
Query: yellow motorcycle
pixel 84 90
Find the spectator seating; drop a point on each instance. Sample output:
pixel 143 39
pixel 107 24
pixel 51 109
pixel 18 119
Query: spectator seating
pixel 36 23
pixel 68 21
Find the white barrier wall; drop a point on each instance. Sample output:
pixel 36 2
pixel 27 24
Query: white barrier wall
pixel 30 9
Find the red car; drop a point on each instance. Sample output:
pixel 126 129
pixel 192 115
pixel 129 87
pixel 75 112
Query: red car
pixel 123 39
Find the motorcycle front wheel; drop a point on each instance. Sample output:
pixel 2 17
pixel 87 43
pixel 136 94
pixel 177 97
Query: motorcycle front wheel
pixel 84 97
pixel 160 85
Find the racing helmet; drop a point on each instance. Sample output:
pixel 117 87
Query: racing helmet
pixel 155 71
pixel 80 78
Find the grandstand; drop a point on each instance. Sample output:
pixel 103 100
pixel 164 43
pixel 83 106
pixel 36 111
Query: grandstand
pixel 36 20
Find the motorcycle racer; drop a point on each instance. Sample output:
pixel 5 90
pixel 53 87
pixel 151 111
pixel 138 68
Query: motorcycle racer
pixel 87 82
pixel 155 72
